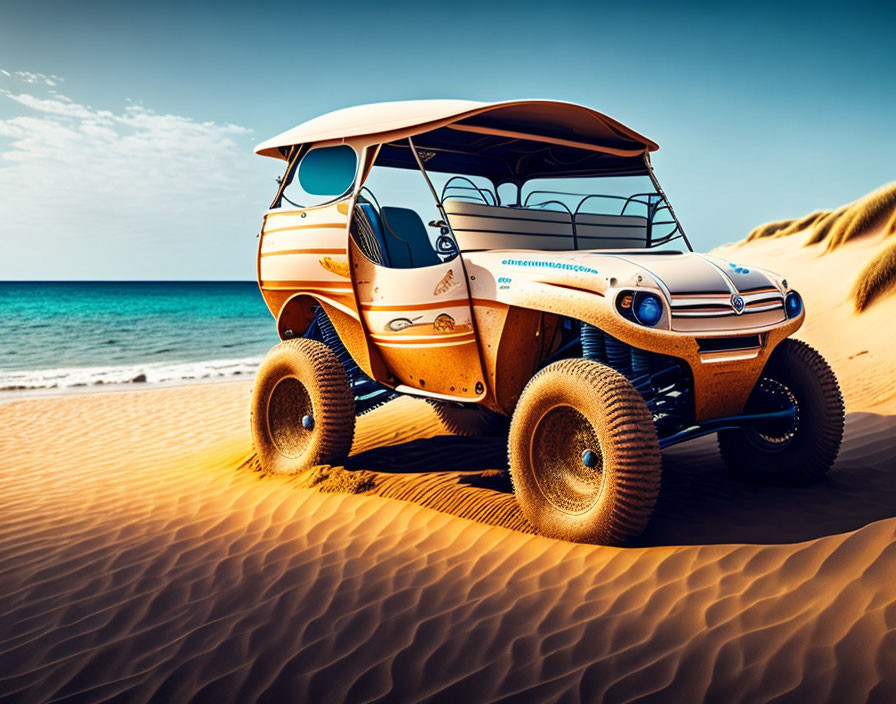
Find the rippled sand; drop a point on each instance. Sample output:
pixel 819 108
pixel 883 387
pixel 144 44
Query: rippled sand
pixel 142 556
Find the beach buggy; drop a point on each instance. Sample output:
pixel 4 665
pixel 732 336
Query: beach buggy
pixel 522 257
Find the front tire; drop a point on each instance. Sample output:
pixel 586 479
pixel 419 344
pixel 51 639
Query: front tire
pixel 789 453
pixel 302 409
pixel 584 455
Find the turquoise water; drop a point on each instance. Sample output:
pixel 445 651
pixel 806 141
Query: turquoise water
pixel 67 334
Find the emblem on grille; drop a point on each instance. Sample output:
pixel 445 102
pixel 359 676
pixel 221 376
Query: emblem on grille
pixel 737 302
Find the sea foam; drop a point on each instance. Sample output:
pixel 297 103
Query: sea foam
pixel 150 373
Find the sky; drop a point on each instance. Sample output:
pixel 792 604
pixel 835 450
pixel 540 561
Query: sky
pixel 127 130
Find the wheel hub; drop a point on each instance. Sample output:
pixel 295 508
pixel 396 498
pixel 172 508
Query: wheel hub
pixel 567 460
pixel 290 419
pixel 772 395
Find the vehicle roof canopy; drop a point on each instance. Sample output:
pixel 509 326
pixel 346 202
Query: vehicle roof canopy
pixel 508 141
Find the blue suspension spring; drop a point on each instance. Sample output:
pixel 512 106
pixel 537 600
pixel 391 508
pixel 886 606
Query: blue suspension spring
pixel 593 346
pixel 330 338
pixel 619 355
pixel 604 348
pixel 368 393
pixel 640 362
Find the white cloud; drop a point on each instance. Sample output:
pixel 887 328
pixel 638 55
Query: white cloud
pixel 128 193
pixel 32 78
pixel 53 106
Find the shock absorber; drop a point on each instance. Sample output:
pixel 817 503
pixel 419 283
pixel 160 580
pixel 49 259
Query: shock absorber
pixel 593 345
pixel 368 393
pixel 619 355
pixel 330 338
pixel 640 362
pixel 604 348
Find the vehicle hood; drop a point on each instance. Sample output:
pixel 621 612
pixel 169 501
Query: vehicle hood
pixel 677 274
pixel 692 273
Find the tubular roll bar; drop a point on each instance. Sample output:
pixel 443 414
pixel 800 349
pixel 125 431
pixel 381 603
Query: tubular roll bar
pixel 472 187
pixel 572 217
pixel 653 202
pixel 653 208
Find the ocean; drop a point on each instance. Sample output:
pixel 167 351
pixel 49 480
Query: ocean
pixel 67 335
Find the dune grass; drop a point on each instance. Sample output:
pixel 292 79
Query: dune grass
pixel 823 227
pixel 803 223
pixel 848 222
pixel 876 279
pixel 769 229
pixel 783 228
pixel 837 227
pixel 863 216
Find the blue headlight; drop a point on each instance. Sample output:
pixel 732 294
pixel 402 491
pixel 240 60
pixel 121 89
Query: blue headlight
pixel 648 309
pixel 793 304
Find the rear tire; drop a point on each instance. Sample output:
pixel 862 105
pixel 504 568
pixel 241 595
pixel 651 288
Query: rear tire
pixel 790 453
pixel 569 409
pixel 302 409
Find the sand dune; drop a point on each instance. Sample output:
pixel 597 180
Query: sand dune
pixel 873 215
pixel 144 557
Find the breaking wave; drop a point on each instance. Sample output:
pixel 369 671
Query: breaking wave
pixel 149 373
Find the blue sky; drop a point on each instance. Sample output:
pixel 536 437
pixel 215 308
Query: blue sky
pixel 126 131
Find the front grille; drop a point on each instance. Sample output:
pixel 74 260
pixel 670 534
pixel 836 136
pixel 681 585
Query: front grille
pixel 710 312
pixel 727 344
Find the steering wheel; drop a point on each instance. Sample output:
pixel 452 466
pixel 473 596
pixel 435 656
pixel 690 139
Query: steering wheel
pixel 445 245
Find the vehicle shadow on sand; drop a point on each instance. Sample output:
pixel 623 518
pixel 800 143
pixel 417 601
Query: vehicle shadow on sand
pixel 699 503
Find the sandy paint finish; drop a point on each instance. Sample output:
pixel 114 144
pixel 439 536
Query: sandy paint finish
pixel 421 323
pixel 304 252
pixel 584 286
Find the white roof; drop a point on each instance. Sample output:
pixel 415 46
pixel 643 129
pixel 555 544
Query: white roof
pixel 419 116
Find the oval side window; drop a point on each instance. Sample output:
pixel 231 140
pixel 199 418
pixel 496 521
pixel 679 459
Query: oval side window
pixel 328 171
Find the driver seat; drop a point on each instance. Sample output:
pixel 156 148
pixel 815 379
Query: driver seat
pixel 406 239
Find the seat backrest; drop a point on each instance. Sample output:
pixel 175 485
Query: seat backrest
pixel 610 231
pixel 482 227
pixel 368 232
pixel 406 239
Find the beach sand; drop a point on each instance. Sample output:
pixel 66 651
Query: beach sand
pixel 143 556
